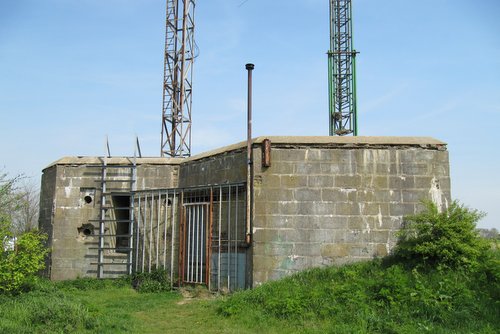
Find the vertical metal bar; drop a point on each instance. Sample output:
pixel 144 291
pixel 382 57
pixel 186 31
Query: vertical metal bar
pixel 202 245
pixel 151 231
pixel 182 238
pixel 220 245
pixel 144 232
pixel 138 233
pixel 195 242
pixel 188 221
pixel 209 239
pixel 165 232
pixel 236 240
pixel 172 218
pixel 158 218
pixel 229 238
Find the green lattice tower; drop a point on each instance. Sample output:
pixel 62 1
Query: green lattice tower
pixel 342 71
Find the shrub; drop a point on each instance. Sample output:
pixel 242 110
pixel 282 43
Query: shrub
pixel 156 281
pixel 434 239
pixel 21 263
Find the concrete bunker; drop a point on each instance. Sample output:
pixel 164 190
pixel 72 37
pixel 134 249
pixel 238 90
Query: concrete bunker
pixel 315 201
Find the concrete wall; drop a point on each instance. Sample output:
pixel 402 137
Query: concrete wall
pixel 321 204
pixel 64 211
pixel 223 167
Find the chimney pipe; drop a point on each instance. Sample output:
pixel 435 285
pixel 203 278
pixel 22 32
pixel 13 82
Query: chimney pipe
pixel 248 236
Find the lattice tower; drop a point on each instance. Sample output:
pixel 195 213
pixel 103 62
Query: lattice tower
pixel 342 71
pixel 180 49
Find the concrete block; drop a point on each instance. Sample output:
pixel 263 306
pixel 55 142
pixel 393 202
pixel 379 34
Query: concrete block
pixel 290 235
pixel 293 181
pixel 316 208
pixel 265 263
pixel 289 207
pixel 335 250
pixel 414 196
pixel 401 209
pixel 339 194
pixel 375 182
pixel 333 222
pixel 320 181
pixel 280 167
pixel 307 168
pixel 330 168
pixel 270 181
pixel 307 195
pixel 401 182
pixel 415 169
pixel 310 249
pixel 348 181
pixel 314 154
pixel 290 155
pixel 347 209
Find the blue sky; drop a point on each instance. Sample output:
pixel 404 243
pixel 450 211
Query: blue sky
pixel 74 71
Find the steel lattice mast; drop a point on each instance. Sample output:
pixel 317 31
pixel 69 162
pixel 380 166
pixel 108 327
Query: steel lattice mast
pixel 341 71
pixel 178 79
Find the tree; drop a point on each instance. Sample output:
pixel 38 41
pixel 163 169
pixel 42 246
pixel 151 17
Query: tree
pixel 25 216
pixel 19 202
pixel 7 196
pixel 22 249
pixel 449 239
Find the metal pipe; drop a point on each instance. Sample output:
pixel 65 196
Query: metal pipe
pixel 158 214
pixel 172 240
pixel 249 68
pixel 138 233
pixel 229 239
pixel 165 232
pixel 151 232
pixel 220 235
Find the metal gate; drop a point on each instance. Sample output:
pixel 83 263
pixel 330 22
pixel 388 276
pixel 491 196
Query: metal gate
pixel 195 231
pixel 196 234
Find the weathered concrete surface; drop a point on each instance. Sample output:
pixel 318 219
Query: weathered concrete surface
pixel 322 203
pixel 64 212
pixel 225 166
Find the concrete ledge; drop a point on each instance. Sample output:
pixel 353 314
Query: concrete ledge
pixel 115 161
pixel 329 141
pixel 277 141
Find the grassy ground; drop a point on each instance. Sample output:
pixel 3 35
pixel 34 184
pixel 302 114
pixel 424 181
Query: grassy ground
pixel 370 297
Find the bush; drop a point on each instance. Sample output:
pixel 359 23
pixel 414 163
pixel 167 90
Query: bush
pixel 447 239
pixel 20 264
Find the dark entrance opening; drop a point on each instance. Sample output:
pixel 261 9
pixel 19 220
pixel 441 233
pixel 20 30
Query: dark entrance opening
pixel 121 206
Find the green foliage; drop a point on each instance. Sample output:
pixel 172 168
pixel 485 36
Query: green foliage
pixel 19 265
pixel 157 280
pixel 368 297
pixel 372 297
pixel 446 239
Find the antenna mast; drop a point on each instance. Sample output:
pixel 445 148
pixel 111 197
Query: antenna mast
pixel 178 79
pixel 342 71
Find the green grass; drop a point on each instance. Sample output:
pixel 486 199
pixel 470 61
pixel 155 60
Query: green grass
pixel 370 297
